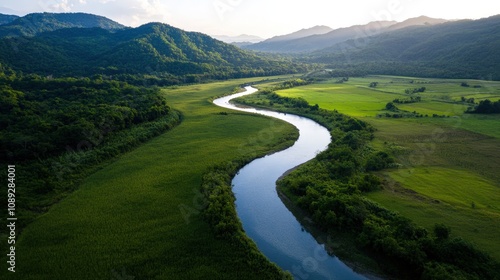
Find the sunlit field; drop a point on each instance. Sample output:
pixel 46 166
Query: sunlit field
pixel 448 159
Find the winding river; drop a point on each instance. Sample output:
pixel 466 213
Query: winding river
pixel 265 218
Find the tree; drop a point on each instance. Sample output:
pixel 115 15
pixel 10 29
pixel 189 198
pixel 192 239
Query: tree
pixel 441 231
pixel 391 107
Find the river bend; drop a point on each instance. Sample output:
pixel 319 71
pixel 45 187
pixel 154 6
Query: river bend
pixel 266 220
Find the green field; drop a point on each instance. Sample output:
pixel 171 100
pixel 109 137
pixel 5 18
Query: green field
pixel 448 165
pixel 139 215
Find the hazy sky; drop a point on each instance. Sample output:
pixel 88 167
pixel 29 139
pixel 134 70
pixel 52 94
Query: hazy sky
pixel 265 18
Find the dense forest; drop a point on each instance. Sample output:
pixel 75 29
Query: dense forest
pixel 330 189
pixel 58 130
pixel 154 53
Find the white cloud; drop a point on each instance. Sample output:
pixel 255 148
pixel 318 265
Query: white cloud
pixel 63 6
pixel 130 12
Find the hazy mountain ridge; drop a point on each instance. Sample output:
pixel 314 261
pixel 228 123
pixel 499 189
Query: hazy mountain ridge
pixel 36 23
pixel 467 48
pixel 421 20
pixel 243 38
pixel 320 41
pixel 316 30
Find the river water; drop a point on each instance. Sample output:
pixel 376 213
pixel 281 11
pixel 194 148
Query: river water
pixel 266 220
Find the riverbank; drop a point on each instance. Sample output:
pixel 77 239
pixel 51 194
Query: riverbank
pixel 330 188
pixel 265 218
pixel 140 216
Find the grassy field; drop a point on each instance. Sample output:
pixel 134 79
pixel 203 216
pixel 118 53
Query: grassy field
pixel 449 165
pixel 139 215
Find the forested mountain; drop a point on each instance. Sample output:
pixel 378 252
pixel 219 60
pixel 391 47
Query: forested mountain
pixel 4 19
pixel 460 49
pixel 33 24
pixel 157 50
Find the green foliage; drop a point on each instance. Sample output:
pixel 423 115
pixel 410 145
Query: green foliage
pixel 220 212
pixel 59 130
pixel 151 195
pixel 391 107
pixel 407 100
pixel 378 161
pixel 4 19
pixel 485 107
pixel 329 189
pixel 36 23
pixel 292 83
pixel 45 117
pixel 441 231
pixel 415 90
pixel 152 54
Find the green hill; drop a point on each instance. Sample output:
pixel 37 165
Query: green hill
pixel 36 23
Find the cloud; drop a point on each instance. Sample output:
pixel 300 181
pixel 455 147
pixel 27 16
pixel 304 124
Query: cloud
pixel 59 6
pixel 129 12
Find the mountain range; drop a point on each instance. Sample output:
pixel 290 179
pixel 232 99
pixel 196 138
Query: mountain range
pixel 465 48
pixel 313 39
pixel 84 45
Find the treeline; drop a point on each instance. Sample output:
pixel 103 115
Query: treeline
pixel 485 107
pixel 292 83
pixel 414 90
pixel 219 211
pixel 447 70
pixel 57 131
pixel 407 100
pixel 43 117
pixel 330 188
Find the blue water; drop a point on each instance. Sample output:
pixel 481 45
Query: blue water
pixel 265 218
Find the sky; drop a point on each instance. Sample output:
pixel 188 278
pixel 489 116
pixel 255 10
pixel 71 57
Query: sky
pixel 264 18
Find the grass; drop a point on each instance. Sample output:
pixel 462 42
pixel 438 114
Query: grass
pixel 139 216
pixel 449 166
pixel 459 188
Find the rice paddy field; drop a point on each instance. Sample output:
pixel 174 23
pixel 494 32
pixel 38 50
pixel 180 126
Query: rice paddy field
pixel 448 159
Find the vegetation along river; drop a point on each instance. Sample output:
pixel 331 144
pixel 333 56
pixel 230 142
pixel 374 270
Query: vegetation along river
pixel 266 219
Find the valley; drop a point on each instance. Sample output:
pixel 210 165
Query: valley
pixel 131 164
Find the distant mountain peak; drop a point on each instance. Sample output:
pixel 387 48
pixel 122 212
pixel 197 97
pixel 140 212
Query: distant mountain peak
pixel 418 21
pixel 243 38
pixel 305 32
